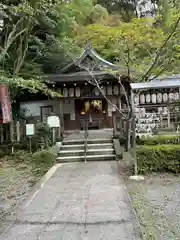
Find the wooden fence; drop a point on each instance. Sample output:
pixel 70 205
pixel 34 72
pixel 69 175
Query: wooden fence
pixel 13 132
pixel 16 131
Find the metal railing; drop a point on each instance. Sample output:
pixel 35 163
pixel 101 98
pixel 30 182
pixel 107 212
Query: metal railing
pixel 86 135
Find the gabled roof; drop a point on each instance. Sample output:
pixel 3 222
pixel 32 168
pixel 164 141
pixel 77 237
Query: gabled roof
pixel 89 54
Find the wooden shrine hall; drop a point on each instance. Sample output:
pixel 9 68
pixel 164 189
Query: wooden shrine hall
pixel 81 98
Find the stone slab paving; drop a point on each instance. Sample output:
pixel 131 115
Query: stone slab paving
pixel 93 134
pixel 79 202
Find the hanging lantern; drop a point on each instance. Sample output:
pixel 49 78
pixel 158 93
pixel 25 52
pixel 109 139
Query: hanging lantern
pixel 136 98
pixel 71 92
pixel 78 92
pixel 103 89
pixel 65 92
pixel 159 97
pixel 109 90
pixel 165 97
pixel 176 96
pixel 171 96
pixel 96 91
pixel 148 98
pixel 87 106
pixel 116 89
pixel 153 97
pixel 142 98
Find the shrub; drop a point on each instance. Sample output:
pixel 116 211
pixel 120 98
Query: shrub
pixel 159 158
pixel 161 139
pixel 43 160
pixel 21 156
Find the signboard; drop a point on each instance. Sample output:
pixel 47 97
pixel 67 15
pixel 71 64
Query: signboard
pixel 5 104
pixel 53 121
pixel 30 129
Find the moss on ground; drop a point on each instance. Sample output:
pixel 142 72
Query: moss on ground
pixel 158 211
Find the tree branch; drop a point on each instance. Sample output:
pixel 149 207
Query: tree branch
pixel 10 39
pixel 146 75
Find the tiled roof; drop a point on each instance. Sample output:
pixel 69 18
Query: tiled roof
pixel 164 82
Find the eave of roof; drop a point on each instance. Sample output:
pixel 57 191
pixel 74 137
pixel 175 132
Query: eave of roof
pixel 79 77
pixel 166 82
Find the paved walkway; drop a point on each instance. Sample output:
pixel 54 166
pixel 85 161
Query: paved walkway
pixel 79 202
pixel 93 134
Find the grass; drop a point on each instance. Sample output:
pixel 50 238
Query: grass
pixel 18 174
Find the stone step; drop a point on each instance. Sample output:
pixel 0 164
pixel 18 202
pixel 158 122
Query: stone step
pixel 89 152
pixel 89 146
pixel 90 141
pixel 110 157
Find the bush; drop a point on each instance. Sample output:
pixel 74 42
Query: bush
pixel 43 136
pixel 43 160
pixel 6 148
pixel 159 158
pixel 21 156
pixel 161 139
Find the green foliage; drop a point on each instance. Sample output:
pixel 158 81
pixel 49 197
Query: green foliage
pixel 43 136
pixel 6 148
pixel 125 8
pixel 160 139
pixel 43 160
pixel 42 37
pixel 21 156
pixel 159 158
pixel 133 45
pixel 32 44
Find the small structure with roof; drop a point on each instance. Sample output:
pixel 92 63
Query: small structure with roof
pixel 161 96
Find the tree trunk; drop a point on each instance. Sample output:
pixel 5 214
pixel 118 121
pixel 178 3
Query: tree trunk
pixel 134 145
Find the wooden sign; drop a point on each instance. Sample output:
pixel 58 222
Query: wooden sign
pixel 53 121
pixel 30 129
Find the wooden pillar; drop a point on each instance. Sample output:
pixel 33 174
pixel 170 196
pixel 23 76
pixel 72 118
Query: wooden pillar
pixel 114 123
pixel 169 118
pixel 161 121
pixel 2 133
pixel 61 117
pixel 12 135
pixel 18 131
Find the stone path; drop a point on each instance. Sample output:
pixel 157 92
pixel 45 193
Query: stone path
pixel 79 202
pixel 93 134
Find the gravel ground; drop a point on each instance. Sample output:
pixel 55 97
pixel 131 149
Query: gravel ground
pixel 157 202
pixel 15 182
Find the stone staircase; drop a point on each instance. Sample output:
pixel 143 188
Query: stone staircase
pixel 98 149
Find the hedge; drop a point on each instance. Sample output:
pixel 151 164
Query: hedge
pixel 159 158
pixel 160 139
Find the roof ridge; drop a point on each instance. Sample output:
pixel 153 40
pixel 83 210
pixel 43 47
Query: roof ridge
pixel 89 51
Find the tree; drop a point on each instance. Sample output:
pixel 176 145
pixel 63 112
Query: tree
pixel 131 47
pixel 126 9
pixel 134 46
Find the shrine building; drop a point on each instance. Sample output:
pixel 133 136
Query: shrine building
pixel 81 99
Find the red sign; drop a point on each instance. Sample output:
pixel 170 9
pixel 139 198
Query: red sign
pixel 5 104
